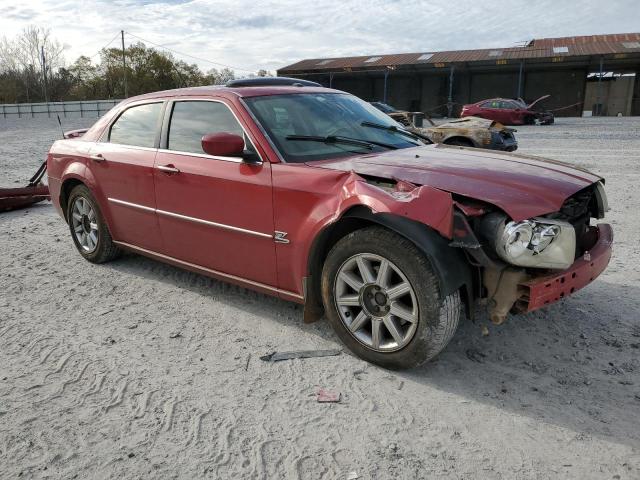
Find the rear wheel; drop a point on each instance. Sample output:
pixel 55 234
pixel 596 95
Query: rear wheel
pixel 88 228
pixel 382 298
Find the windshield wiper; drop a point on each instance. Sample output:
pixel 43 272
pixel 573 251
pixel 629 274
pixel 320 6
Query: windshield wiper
pixel 368 144
pixel 391 128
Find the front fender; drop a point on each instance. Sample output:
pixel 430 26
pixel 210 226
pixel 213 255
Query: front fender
pixel 307 205
pixel 450 263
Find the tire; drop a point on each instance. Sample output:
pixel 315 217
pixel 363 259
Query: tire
pixel 436 319
pixel 90 233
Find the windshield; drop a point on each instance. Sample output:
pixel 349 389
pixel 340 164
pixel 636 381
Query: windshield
pixel 383 107
pixel 327 119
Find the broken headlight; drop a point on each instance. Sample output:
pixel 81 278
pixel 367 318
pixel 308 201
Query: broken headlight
pixel 537 243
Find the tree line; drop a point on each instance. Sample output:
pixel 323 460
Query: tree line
pixel 32 69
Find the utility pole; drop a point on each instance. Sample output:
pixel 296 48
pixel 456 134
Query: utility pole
pixel 44 74
pixel 124 67
pixel 450 97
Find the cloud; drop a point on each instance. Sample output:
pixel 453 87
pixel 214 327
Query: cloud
pixel 271 34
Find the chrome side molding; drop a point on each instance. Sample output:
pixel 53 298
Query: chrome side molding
pixel 196 220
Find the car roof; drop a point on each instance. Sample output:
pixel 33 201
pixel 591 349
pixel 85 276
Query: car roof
pixel 497 98
pixel 223 91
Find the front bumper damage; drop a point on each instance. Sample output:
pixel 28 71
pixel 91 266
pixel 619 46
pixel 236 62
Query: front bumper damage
pixel 543 290
pixel 520 291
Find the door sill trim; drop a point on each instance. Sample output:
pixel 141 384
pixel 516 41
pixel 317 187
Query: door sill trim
pixel 210 271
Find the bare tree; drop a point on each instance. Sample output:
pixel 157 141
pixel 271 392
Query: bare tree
pixel 23 56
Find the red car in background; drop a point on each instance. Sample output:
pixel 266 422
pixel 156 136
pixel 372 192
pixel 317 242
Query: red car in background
pixel 508 112
pixel 315 196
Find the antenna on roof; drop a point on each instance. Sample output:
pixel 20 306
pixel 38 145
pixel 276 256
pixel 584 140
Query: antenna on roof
pixel 60 123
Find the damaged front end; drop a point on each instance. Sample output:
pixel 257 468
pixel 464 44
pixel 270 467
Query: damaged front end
pixel 529 264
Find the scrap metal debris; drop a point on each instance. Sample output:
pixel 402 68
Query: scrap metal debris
pixel 278 356
pixel 327 396
pixel 475 355
pixel 34 192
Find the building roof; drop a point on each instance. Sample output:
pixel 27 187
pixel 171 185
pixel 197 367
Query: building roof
pixel 612 44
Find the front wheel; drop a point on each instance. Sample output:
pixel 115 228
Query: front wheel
pixel 382 297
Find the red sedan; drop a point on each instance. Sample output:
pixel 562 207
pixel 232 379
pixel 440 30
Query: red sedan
pixel 508 112
pixel 315 196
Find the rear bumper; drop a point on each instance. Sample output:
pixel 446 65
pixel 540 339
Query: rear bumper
pixel 541 291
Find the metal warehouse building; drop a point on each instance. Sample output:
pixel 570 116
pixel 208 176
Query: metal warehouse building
pixel 590 75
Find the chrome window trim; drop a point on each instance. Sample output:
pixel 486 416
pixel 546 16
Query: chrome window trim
pixel 204 155
pixel 209 270
pixel 134 147
pixel 191 219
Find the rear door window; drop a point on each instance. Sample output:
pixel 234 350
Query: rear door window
pixel 137 126
pixel 191 120
pixel 491 104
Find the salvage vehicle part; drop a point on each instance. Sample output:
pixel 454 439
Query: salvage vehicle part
pixel 279 356
pixel 462 132
pixel 315 196
pixel 34 192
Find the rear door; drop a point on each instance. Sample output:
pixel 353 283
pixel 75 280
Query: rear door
pixel 214 212
pixel 122 165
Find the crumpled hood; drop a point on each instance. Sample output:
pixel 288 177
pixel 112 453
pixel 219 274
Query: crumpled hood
pixel 472 122
pixel 521 186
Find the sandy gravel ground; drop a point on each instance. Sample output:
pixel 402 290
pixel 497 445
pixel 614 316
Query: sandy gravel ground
pixel 135 369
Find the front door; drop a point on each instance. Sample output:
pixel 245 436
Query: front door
pixel 214 212
pixel 122 165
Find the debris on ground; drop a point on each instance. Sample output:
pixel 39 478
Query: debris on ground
pixel 34 192
pixel 175 334
pixel 352 476
pixel 475 355
pixel 357 373
pixel 327 396
pixel 484 330
pixel 278 356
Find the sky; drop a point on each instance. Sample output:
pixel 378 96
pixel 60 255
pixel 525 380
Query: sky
pixel 253 35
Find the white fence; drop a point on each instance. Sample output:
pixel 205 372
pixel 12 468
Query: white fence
pixel 88 108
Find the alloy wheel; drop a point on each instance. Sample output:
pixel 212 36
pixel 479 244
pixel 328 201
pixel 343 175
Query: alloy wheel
pixel 84 224
pixel 376 302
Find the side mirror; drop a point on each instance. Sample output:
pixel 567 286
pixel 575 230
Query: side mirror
pixel 223 144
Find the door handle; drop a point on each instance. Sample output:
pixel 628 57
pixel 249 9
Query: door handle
pixel 168 168
pixel 97 157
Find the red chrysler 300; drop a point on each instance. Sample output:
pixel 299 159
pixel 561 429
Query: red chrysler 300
pixel 315 196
